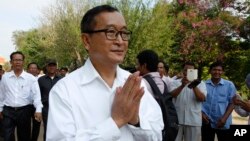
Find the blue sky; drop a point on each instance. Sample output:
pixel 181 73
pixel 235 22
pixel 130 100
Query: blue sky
pixel 18 15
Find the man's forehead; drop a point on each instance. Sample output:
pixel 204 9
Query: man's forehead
pixel 17 56
pixel 217 68
pixel 110 19
pixel 188 66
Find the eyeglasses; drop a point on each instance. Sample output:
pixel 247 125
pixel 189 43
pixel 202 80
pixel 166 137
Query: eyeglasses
pixel 17 60
pixel 112 34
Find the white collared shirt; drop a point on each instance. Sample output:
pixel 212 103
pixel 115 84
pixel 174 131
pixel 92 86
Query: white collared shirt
pixel 80 110
pixel 20 91
pixel 187 106
pixel 168 80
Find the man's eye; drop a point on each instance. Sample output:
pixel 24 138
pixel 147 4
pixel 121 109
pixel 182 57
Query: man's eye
pixel 125 32
pixel 111 31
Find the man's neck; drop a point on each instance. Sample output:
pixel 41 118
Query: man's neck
pixel 51 74
pixel 18 72
pixel 215 80
pixel 106 71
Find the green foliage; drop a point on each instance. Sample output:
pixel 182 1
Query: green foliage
pixel 238 66
pixel 31 44
pixel 151 27
pixel 197 31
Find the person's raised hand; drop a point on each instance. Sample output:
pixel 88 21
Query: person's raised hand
pixel 125 108
pixel 184 81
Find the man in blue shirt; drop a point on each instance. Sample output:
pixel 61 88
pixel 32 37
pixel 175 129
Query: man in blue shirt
pixel 217 109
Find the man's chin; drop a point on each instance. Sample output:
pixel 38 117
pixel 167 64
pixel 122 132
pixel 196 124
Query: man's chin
pixel 217 77
pixel 120 61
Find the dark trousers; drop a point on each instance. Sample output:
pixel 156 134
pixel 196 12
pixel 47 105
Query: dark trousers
pixel 208 133
pixel 17 118
pixel 45 111
pixel 169 134
pixel 1 130
pixel 35 127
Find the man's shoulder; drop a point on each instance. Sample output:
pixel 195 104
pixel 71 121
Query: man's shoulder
pixel 74 76
pixel 226 83
pixel 58 77
pixel 42 77
pixel 7 74
pixel 28 76
pixel 123 73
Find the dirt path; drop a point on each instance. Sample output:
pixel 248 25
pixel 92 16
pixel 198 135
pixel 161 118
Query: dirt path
pixel 239 120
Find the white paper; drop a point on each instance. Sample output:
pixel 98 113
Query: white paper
pixel 192 74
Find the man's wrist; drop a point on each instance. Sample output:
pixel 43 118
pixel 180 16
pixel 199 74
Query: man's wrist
pixel 136 125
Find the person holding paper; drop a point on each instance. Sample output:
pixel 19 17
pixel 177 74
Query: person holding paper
pixel 188 97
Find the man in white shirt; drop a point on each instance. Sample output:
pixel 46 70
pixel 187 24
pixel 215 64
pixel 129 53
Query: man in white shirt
pixel 163 69
pixel 147 64
pixel 33 69
pixel 188 104
pixel 100 101
pixel 19 90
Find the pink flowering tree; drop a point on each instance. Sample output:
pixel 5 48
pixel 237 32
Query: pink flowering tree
pixel 204 28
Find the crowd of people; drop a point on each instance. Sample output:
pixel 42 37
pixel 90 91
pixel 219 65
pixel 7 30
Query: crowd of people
pixel 102 102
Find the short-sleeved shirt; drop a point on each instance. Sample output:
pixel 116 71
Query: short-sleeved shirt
pixel 187 106
pixel 218 98
pixel 157 79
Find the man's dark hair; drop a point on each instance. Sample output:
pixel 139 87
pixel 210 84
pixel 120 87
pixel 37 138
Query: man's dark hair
pixel 16 52
pixel 88 21
pixel 216 64
pixel 150 58
pixel 64 68
pixel 165 65
pixel 32 63
pixel 188 63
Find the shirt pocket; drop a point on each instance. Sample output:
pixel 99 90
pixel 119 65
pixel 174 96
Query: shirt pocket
pixel 26 90
pixel 222 98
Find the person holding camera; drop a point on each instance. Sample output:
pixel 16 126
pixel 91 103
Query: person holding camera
pixel 188 97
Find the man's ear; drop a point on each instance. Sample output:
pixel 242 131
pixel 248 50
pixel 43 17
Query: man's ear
pixel 144 66
pixel 85 40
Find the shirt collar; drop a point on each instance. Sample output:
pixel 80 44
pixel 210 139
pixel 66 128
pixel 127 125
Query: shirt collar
pixel 12 74
pixel 47 76
pixel 222 82
pixel 89 73
pixel 153 74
